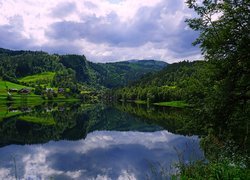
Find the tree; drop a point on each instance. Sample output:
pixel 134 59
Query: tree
pixel 224 39
pixel 38 90
pixel 223 27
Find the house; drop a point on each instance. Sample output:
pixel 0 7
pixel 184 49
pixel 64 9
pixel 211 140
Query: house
pixel 24 91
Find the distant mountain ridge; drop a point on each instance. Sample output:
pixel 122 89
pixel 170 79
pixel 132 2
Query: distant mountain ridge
pixel 154 61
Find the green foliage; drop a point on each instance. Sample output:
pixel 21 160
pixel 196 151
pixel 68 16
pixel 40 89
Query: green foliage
pixel 50 96
pixel 43 123
pixel 223 169
pixel 223 94
pixel 225 43
pixel 6 114
pixel 70 71
pixel 175 120
pixel 140 102
pixel 65 79
pixel 9 98
pixel 124 73
pixel 38 90
pixel 170 75
pixel 63 121
pixel 27 63
pixel 38 79
pixel 170 84
pixel 10 85
pixel 79 64
pixel 109 75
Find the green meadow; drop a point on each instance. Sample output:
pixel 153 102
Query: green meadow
pixel 46 76
pixel 10 85
pixel 29 98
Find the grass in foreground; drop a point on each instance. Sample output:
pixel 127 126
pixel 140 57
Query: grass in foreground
pixel 179 104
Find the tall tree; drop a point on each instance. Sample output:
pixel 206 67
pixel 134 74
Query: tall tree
pixel 224 39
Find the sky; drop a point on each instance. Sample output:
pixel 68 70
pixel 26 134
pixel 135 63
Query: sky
pixel 102 30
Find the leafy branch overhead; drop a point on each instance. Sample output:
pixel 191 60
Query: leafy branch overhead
pixel 223 26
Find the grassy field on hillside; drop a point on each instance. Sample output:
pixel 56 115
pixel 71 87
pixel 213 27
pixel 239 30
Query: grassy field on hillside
pixel 10 85
pixel 46 76
pixel 4 85
pixel 30 98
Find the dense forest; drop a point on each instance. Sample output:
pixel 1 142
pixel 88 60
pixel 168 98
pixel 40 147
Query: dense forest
pixel 173 83
pixel 18 64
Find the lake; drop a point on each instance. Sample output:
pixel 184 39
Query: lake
pixel 85 141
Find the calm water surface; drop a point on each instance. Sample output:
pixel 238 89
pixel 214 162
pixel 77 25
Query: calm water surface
pixel 60 141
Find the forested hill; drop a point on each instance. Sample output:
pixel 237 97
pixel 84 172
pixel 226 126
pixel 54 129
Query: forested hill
pixel 110 75
pixel 76 68
pixel 176 82
pixel 124 73
pixel 171 75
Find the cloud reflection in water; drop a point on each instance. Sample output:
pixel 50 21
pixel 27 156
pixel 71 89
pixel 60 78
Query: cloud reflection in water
pixel 102 155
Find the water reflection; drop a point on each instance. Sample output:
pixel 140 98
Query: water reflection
pixel 73 123
pixel 82 141
pixel 103 154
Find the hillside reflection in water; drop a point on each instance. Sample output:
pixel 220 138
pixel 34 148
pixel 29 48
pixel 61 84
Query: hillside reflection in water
pixel 106 150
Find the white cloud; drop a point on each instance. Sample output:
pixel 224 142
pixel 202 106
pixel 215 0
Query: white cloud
pixel 6 174
pixel 105 139
pixel 103 30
